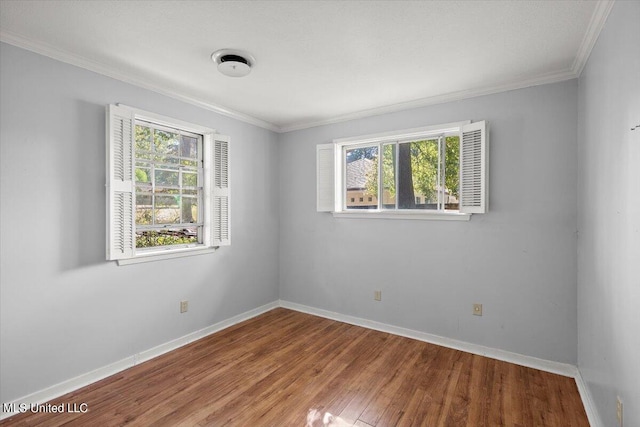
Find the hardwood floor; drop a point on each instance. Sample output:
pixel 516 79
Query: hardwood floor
pixel 285 368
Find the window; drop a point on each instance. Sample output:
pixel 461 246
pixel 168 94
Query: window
pixel 432 172
pixel 168 187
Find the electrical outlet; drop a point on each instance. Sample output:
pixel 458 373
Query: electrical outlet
pixel 619 411
pixel 377 295
pixel 477 309
pixel 184 306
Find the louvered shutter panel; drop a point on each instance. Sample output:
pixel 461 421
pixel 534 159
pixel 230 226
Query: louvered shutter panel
pixel 325 177
pixel 474 168
pixel 221 217
pixel 120 184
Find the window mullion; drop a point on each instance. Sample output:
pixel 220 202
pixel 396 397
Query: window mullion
pixel 180 204
pixel 380 194
pixel 440 188
pixel 397 172
pixel 344 178
pixel 153 177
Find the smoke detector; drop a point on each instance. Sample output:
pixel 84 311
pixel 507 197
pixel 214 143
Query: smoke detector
pixel 233 62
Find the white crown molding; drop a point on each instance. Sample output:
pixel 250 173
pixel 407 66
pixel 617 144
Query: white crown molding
pixel 440 99
pixel 78 61
pixel 598 19
pixel 596 24
pixel 67 386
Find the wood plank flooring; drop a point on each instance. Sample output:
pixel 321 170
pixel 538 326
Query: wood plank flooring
pixel 285 368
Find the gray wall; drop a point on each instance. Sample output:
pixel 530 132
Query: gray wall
pixel 519 260
pixel 66 311
pixel 609 217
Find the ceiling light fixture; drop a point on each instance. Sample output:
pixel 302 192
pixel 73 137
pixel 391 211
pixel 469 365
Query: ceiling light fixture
pixel 233 62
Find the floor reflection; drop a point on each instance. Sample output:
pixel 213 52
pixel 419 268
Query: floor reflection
pixel 317 418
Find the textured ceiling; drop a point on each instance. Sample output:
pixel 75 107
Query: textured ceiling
pixel 317 62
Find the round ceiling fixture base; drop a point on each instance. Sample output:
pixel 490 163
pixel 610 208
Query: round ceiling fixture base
pixel 233 62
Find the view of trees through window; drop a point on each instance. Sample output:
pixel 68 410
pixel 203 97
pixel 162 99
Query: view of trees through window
pixel 168 174
pixel 420 174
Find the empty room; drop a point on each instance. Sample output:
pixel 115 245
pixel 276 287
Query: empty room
pixel 320 213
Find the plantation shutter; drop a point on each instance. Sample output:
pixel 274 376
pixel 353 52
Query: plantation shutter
pixel 120 184
pixel 474 168
pixel 325 177
pixel 221 221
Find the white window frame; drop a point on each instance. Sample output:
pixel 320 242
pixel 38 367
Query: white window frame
pixel 331 172
pixel 120 183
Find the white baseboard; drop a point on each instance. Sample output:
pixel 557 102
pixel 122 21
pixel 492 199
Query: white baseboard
pixel 83 380
pixel 494 353
pixel 519 359
pixel 587 401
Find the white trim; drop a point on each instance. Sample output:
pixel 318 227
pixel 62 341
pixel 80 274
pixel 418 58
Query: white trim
pixel 170 253
pixel 439 99
pixel 146 355
pixel 389 214
pixel 598 19
pixel 564 369
pixel 404 134
pixel 83 380
pixel 165 121
pixel 596 24
pixel 589 407
pixel 140 81
pixel 70 385
pixel 325 177
pixel 378 139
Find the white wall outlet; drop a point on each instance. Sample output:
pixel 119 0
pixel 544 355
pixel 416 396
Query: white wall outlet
pixel 184 306
pixel 619 411
pixel 477 309
pixel 377 295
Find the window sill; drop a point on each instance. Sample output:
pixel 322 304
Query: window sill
pixel 166 254
pixel 376 214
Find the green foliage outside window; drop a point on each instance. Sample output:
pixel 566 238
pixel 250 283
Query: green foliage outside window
pixel 423 169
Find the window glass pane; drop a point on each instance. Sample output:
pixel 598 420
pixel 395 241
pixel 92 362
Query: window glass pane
pixel 167 177
pixel 190 163
pixel 361 178
pixel 189 209
pixel 189 179
pixel 162 190
pixel 169 162
pixel 144 136
pixel 165 237
pixel 167 209
pixel 168 167
pixel 389 176
pixel 166 143
pixel 189 147
pixel 143 172
pixel 144 208
pixel 452 173
pixel 418 174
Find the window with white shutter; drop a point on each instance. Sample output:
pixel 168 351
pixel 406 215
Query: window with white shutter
pixel 474 168
pixel 221 217
pixel 325 166
pixel 167 187
pixel 435 172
